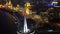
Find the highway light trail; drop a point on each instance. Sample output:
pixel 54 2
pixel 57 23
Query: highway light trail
pixel 25 25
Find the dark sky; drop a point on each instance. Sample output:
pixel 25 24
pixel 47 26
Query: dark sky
pixel 13 1
pixel 23 1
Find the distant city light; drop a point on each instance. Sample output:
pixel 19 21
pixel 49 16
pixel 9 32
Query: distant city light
pixel 50 30
pixel 54 3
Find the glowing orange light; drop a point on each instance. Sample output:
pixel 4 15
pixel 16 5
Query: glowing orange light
pixel 27 5
pixel 2 6
pixel 27 11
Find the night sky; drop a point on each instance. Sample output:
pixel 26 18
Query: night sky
pixel 22 1
pixel 33 2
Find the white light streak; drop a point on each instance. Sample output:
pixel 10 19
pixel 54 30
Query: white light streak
pixel 25 25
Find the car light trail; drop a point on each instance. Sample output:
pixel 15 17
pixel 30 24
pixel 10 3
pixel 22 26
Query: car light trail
pixel 25 25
